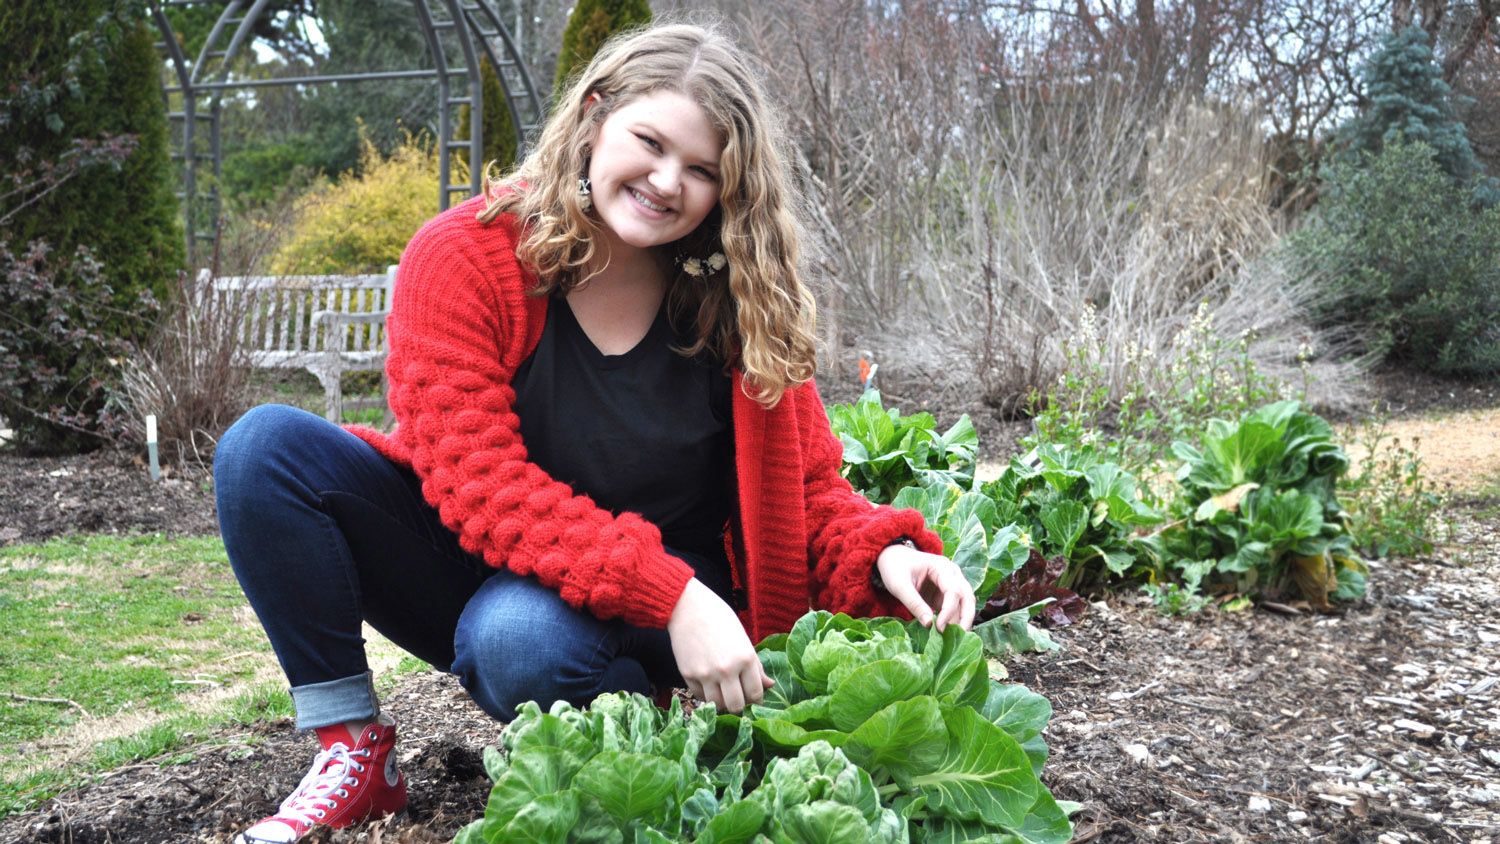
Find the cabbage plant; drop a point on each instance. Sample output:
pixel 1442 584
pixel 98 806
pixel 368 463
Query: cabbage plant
pixel 877 730
pixel 1257 510
pixel 885 452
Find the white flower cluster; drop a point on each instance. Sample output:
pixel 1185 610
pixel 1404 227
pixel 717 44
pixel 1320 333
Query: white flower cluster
pixel 700 267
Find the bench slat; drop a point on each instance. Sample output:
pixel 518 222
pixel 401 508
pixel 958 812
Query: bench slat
pixel 299 313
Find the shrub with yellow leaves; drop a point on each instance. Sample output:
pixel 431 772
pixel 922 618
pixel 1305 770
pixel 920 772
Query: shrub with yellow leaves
pixel 360 222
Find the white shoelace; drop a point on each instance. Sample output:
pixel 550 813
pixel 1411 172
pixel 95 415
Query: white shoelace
pixel 323 786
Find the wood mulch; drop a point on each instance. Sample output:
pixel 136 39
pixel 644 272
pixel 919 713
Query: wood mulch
pixel 1381 723
pixel 1377 724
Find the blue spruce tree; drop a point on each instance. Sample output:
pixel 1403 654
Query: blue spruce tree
pixel 1406 97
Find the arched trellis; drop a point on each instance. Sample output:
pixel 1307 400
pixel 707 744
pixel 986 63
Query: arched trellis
pixel 457 32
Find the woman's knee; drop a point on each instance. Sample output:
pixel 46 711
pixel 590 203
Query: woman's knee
pixel 517 640
pixel 271 451
pixel 263 432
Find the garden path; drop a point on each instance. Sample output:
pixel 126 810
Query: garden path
pixel 1459 450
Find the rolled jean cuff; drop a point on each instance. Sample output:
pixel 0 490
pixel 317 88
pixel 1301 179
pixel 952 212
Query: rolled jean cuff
pixel 336 701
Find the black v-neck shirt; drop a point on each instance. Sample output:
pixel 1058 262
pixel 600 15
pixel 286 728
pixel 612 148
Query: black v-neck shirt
pixel 647 431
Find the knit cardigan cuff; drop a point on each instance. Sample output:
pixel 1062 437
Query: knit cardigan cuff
pixel 851 581
pixel 655 594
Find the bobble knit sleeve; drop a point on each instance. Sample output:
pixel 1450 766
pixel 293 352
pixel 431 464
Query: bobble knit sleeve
pixel 456 333
pixel 846 532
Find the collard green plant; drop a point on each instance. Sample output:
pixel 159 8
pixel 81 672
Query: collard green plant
pixel 877 730
pixel 885 452
pixel 621 767
pixel 1258 510
pixel 986 547
pixel 1012 632
pixel 950 750
pixel 995 556
pixel 1075 506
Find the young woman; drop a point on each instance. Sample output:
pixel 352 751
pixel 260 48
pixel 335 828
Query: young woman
pixel 611 469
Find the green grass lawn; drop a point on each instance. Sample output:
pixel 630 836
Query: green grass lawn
pixel 118 649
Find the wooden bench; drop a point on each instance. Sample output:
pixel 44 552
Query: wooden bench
pixel 326 324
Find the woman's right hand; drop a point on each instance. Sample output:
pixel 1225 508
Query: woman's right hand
pixel 716 658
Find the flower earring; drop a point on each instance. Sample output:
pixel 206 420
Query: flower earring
pixel 585 199
pixel 703 267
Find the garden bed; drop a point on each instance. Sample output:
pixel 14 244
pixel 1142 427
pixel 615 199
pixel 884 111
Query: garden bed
pixel 1222 727
pixel 1379 723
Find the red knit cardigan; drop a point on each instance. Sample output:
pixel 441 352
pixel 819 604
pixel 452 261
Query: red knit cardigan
pixel 460 325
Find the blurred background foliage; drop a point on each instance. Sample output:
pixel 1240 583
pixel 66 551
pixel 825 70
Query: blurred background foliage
pixel 589 25
pixel 984 184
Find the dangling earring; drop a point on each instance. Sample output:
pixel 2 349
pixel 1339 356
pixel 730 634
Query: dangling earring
pixel 585 200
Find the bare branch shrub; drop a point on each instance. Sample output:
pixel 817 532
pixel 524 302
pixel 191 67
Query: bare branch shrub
pixel 194 374
pixel 976 213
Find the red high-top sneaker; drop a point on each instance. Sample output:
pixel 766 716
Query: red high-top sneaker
pixel 344 786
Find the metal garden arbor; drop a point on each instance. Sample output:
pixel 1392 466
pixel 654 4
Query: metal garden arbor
pixel 458 34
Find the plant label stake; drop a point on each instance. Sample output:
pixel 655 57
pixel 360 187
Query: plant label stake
pixel 867 370
pixel 151 446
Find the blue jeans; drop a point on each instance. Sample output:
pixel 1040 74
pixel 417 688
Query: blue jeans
pixel 323 533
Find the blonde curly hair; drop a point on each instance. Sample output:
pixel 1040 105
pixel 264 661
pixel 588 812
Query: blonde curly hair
pixel 762 318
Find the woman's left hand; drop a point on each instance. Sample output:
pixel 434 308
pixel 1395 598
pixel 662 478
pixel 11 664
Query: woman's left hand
pixel 927 583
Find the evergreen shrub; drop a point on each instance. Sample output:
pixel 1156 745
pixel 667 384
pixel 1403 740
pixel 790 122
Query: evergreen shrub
pixel 1410 260
pixel 88 222
pixel 590 24
pixel 360 222
pixel 1406 97
pixel 127 216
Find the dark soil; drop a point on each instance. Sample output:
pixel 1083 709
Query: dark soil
pixel 1404 391
pixel 232 780
pixel 102 492
pixel 1378 724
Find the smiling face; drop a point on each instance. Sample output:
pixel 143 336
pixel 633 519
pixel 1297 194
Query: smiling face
pixel 655 169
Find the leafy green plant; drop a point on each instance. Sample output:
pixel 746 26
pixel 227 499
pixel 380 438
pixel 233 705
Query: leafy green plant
pixel 1392 510
pixel 622 766
pixel 1258 510
pixel 1013 633
pixel 885 452
pixel 1164 397
pixel 1033 588
pixel 987 548
pixel 1174 599
pixel 1077 506
pixel 952 751
pixel 876 730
